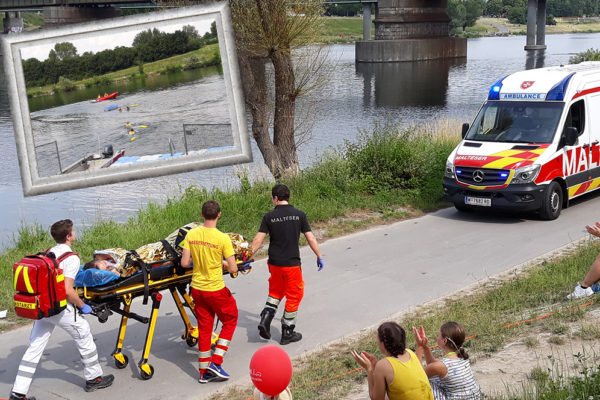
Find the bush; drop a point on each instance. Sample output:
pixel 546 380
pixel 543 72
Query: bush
pixel 588 55
pixel 65 84
pixel 192 62
pixel 550 20
pixel 215 59
pixel 391 158
pixel 100 81
pixel 170 68
pixel 517 15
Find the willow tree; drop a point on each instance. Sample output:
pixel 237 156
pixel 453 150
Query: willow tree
pixel 266 33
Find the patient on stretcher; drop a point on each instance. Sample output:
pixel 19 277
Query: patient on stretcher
pixel 117 260
pixel 102 265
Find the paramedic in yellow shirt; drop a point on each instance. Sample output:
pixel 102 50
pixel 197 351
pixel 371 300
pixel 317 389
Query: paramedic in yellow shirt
pixel 207 247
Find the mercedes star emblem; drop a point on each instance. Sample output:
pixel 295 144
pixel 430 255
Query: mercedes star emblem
pixel 478 176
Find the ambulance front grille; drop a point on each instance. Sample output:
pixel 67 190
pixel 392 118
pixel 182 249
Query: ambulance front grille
pixel 481 176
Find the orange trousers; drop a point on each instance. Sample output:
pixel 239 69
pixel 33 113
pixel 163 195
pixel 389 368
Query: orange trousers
pixel 287 282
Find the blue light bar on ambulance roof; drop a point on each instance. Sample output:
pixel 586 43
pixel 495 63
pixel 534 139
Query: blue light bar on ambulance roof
pixel 557 93
pixel 495 89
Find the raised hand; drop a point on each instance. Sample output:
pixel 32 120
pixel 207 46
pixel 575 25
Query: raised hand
pixel 420 336
pixel 364 359
pixel 593 229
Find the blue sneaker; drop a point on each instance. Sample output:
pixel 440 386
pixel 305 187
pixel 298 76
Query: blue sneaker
pixel 207 376
pixel 218 371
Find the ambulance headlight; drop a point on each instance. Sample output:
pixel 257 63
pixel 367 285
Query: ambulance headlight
pixel 526 174
pixel 449 172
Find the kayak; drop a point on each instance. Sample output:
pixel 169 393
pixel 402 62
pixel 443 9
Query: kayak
pixel 110 108
pixel 107 97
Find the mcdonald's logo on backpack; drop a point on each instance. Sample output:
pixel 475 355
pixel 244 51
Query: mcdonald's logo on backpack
pixel 40 285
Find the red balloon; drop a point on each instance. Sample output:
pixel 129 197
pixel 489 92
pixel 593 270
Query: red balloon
pixel 271 370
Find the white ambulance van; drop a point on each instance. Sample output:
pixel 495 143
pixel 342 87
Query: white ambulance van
pixel 533 146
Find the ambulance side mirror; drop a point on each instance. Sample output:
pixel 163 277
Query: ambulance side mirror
pixel 465 129
pixel 571 136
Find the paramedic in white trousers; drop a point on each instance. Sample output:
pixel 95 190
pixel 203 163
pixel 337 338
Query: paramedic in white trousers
pixel 75 325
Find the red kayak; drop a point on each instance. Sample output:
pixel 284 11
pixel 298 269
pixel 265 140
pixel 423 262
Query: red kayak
pixel 107 97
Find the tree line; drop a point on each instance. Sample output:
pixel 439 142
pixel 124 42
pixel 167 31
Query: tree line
pixel 516 10
pixel 149 45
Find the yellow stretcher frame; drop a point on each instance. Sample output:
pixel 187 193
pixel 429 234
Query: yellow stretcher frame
pixel 119 301
pixel 172 277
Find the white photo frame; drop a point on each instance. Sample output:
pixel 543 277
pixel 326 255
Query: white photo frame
pixel 14 45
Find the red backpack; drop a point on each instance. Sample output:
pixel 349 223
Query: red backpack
pixel 40 285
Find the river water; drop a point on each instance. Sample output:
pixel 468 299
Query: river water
pixel 353 98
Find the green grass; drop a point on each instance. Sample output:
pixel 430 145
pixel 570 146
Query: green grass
pixel 560 382
pixel 350 27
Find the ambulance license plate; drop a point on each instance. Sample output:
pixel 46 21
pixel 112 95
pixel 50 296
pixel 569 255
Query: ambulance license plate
pixel 478 201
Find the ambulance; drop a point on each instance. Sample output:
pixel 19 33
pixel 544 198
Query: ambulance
pixel 534 144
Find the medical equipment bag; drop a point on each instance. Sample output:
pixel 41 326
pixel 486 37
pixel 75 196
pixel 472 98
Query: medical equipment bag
pixel 40 285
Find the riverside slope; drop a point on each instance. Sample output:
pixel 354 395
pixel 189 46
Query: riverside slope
pixel 369 276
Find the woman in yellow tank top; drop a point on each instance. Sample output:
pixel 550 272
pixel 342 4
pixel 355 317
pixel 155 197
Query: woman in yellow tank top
pixel 400 375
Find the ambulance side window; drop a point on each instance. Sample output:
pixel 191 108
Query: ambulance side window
pixel 576 117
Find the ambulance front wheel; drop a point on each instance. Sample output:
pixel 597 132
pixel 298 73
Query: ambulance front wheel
pixel 552 202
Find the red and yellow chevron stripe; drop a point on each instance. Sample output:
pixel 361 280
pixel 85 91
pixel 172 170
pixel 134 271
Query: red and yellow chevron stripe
pixel 584 187
pixel 506 159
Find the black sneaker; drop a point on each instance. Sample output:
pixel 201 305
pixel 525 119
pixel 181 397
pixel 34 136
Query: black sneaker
pixel 100 382
pixel 19 396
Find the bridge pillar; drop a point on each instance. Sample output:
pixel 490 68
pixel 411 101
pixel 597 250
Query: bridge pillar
pixel 13 24
pixel 536 25
pixel 411 30
pixel 366 21
pixel 60 15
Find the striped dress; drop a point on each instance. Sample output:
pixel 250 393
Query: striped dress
pixel 458 384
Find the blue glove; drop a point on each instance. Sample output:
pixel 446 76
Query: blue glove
pixel 244 266
pixel 85 309
pixel 320 264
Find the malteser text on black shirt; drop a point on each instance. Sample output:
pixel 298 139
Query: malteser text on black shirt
pixel 284 225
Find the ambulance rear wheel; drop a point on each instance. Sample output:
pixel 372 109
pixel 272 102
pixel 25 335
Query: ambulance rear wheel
pixel 552 202
pixel 121 365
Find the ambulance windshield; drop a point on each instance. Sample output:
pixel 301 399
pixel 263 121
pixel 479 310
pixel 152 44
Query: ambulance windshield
pixel 516 122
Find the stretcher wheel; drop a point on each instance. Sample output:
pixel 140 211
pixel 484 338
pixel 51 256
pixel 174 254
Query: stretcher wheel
pixel 121 365
pixel 191 341
pixel 146 375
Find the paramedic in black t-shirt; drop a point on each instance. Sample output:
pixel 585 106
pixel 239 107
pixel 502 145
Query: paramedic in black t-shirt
pixel 284 225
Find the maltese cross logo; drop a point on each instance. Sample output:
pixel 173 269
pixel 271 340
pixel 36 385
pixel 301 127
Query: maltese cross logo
pixel 527 84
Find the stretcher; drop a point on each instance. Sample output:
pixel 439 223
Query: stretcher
pixel 153 278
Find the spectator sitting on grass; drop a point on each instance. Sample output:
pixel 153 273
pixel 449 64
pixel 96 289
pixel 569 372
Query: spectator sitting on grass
pixel 451 377
pixel 584 289
pixel 399 375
